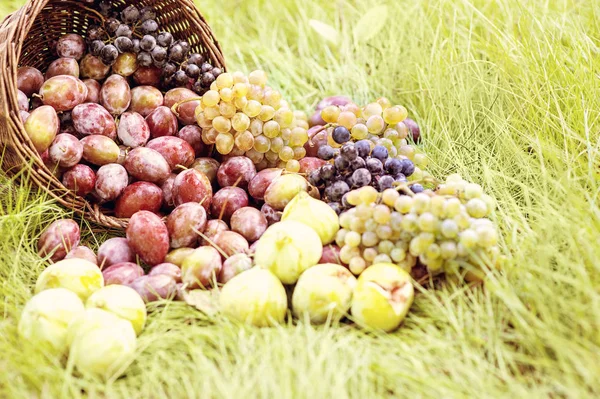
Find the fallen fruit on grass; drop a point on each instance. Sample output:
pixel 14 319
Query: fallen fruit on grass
pixel 283 189
pixel 201 267
pixel 121 301
pixel 58 239
pixel 46 317
pixel 102 344
pixel 77 275
pixel 287 249
pixel 382 297
pixel 323 292
pixel 315 214
pixel 255 297
pixel 153 288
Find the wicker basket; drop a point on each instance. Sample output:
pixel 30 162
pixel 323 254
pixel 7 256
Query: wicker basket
pixel 25 40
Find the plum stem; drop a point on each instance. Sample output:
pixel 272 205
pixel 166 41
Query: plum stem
pixel 176 106
pixel 211 242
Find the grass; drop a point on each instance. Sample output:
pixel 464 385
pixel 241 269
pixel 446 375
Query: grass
pixel 508 95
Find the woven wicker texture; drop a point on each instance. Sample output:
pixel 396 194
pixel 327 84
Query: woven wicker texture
pixel 26 39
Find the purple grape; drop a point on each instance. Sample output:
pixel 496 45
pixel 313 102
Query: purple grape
pixel 363 147
pixel 393 166
pixel 340 135
pixel 408 167
pixel 385 182
pixel 336 191
pixel 417 188
pixel 380 152
pixel 327 172
pixel 326 152
pixel 348 152
pixel 375 166
pixel 361 177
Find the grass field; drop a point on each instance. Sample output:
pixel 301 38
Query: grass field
pixel 508 94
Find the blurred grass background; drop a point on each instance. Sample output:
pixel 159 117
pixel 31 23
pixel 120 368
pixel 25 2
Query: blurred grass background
pixel 507 94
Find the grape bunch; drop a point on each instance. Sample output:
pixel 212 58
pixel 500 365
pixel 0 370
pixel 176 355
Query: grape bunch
pixel 133 39
pixel 358 164
pixel 241 115
pixel 446 230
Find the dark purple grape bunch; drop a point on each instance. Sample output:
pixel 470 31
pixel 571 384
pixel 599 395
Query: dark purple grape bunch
pixel 356 165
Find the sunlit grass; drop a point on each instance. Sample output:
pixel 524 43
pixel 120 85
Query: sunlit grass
pixel 508 95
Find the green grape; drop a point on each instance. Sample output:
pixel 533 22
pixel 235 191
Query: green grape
pixel 382 258
pixel 477 208
pixel 262 144
pixel 451 267
pixel 222 124
pixel 347 119
pixel 272 157
pixel 226 94
pixel 286 134
pixel 369 254
pixel 284 117
pixel 398 255
pixel 258 78
pixel 387 143
pixel 428 222
pixel 224 143
pixel 252 108
pixel 211 98
pixel 402 130
pixel 448 250
pixel 487 237
pixel 368 195
pixel 391 134
pixel 359 131
pixel 371 225
pixel 202 121
pixel 266 113
pixel 469 239
pixel 255 156
pixel 427 238
pixel 384 102
pixel 449 228
pixel 372 109
pixel 298 137
pixel 210 113
pixel 489 201
pixel 403 204
pixel 461 250
pixel 352 239
pixel 452 207
pixel 405 238
pixel 353 197
pixel 393 152
pixel 276 144
pixel 421 160
pixel 433 251
pixel 239 77
pixel 385 247
pixel 286 154
pixel 364 211
pixel 357 265
pixel 389 197
pixel 357 225
pixel 462 220
pixel 299 153
pixel 271 129
pixel 436 206
pixel 394 115
pixel 340 237
pixel 256 127
pixel 240 89
pixel 396 221
pixel 384 232
pixel 240 122
pixel 381 214
pixel 369 239
pixel 273 98
pixel 330 114
pixel 244 141
pixel 433 265
pixel 375 124
pixel 421 203
pixel 345 219
pixel 227 110
pixel 255 93
pixel 292 166
pixel 224 80
pixel 417 246
pixel 209 136
pixel 240 103
pixel 408 151
pixel 236 151
pixel 347 253
pixel 410 222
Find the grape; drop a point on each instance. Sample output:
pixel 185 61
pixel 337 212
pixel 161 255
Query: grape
pixel 165 39
pixel 123 31
pixel 415 131
pixel 81 179
pixel 348 152
pixel 65 150
pixel 207 78
pixel 29 80
pixel 249 222
pixel 109 54
pixel 42 126
pixel 361 177
pixel 192 186
pixel 147 13
pixel 146 164
pixel 58 239
pixel 130 15
pixel 139 196
pixel 93 68
pixel 177 152
pixel 133 131
pixel 63 66
pixel 71 46
pixel 99 150
pixel 244 141
pixel 335 191
pixel 144 59
pixel 145 99
pixel 417 188
pixel 63 92
pixel 148 237
pixel 111 180
pixel 379 152
pixel 193 135
pixel 228 200
pixel 224 143
pixel 93 119
pixel 149 27
pixel 341 135
pixel 147 43
pixel 184 223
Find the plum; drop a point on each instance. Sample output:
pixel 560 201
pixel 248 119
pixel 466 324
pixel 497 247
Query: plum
pixel 90 118
pixel 58 239
pixel 93 91
pixel 29 80
pixel 201 268
pixel 63 92
pixel 208 166
pixel 93 68
pixel 111 181
pixel 184 223
pixel 148 236
pixel 145 99
pixel 71 46
pixel 177 256
pixel 249 222
pixel 147 76
pixel 125 65
pixel 81 179
pixel 168 269
pixel 65 150
pixel 63 66
pixel 82 252
pixel 139 196
pixel 213 227
pixel 186 111
pixel 42 126
pixel 283 189
pixel 133 130
pixel 193 135
pixel 236 171
pixel 177 152
pixel 228 200
pixel 308 164
pixel 100 150
pixel 231 243
pixel 115 94
pixel 263 179
pixel 155 287
pixel 122 273
pixel 115 250
pixel 147 165
pixel 162 122
pixel 233 266
pixel 192 186
pixel 167 189
pixel 22 101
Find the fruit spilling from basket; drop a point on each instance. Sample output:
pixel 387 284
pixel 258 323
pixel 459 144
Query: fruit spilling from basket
pixel 233 199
